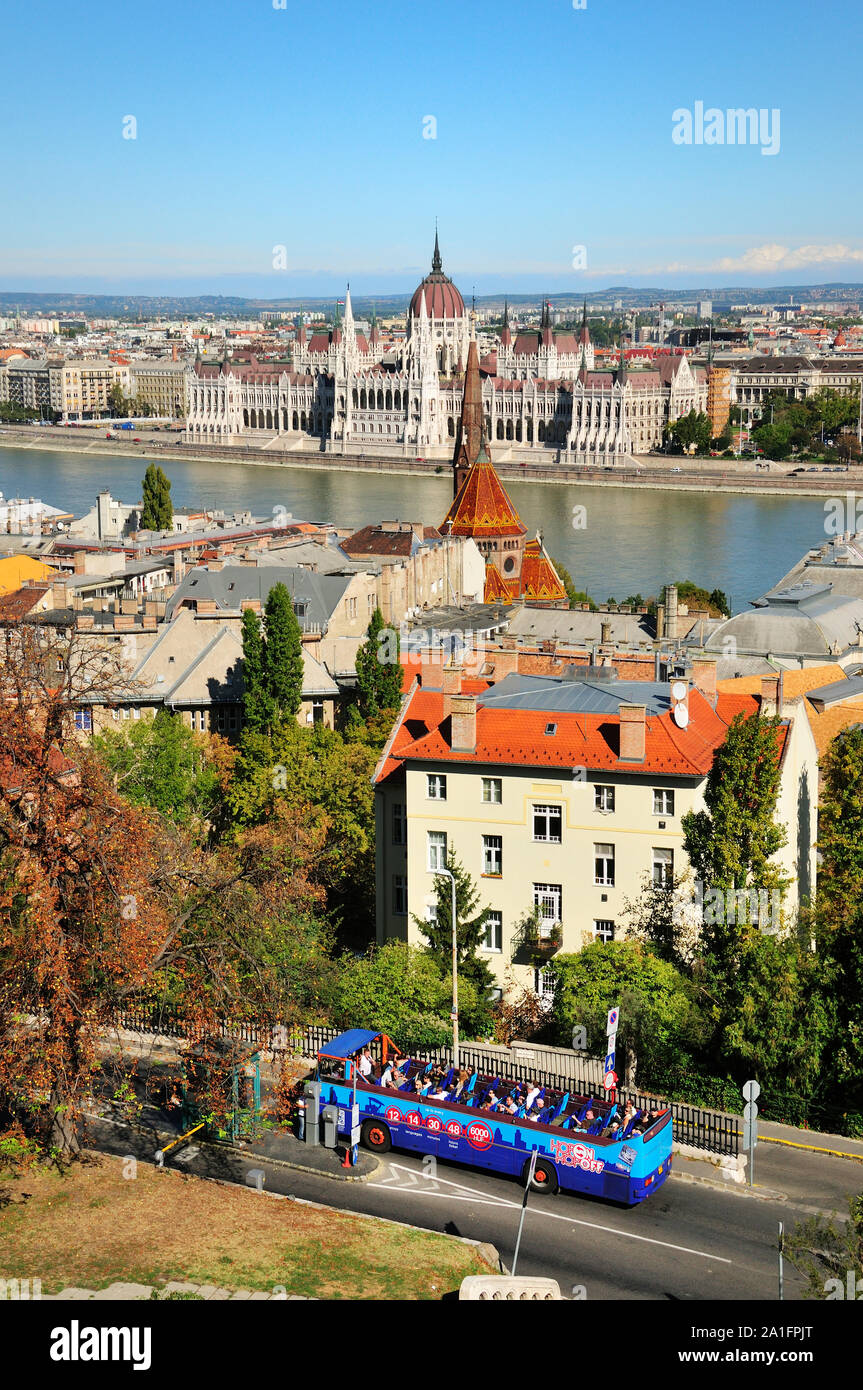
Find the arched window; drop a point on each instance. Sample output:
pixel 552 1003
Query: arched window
pixel 509 429
pixel 296 421
pixel 285 424
pixel 540 433
pixel 530 431
pixel 518 430
pixel 389 401
pixel 246 418
pixel 398 400
pixel 500 429
pixel 380 399
pixel 363 399
pixel 450 426
pixel 355 398
pixel 269 419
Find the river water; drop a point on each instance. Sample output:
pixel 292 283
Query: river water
pixel 633 541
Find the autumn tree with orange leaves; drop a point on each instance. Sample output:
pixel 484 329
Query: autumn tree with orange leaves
pixel 100 901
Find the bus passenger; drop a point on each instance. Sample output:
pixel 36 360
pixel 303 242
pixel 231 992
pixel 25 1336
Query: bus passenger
pixel 539 1112
pixel 509 1105
pixel 387 1075
pixel 365 1064
pixel 531 1096
pixel 463 1079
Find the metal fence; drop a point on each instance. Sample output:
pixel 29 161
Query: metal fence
pixel 702 1129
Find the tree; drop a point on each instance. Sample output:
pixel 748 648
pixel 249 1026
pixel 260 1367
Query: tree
pixel 379 671
pixel 471 922
pixel 575 596
pixel 101 900
pixel 157 514
pixel 838 917
pixel 257 705
pixel 731 843
pixel 283 654
pixel 719 602
pixel 668 917
pixel 825 1253
pixel 163 764
pixel 403 991
pixel 659 1022
pixel 690 430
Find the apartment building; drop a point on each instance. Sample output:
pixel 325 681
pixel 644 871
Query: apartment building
pixel 563 793
pixel 163 386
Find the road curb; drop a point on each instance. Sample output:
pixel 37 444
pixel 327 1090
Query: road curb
pixel 770 1194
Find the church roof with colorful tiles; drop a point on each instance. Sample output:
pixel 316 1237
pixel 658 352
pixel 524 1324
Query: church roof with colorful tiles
pixel 482 507
pixel 539 582
pixel 496 588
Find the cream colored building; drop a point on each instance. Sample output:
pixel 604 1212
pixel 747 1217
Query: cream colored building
pixel 565 794
pixel 164 386
pixel 86 387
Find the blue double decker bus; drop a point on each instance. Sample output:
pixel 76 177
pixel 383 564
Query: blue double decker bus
pixel 583 1143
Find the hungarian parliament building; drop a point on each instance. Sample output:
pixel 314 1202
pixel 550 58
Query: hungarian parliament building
pixel 540 389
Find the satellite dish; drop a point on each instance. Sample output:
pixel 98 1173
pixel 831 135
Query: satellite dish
pixel 678 691
pixel 681 716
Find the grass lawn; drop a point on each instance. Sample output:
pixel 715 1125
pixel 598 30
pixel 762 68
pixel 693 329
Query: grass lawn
pixel 92 1227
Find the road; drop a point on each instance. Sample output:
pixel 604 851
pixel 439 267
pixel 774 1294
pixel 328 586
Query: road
pixel 691 1242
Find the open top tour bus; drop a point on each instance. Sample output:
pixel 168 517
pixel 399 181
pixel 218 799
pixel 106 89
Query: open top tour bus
pixel 583 1143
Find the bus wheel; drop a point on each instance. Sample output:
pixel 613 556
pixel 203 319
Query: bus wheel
pixel 544 1177
pixel 376 1135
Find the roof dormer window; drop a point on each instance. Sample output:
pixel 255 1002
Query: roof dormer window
pixel 550 729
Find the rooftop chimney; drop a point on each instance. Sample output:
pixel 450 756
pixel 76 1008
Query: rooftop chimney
pixel 605 632
pixel 463 723
pixel 633 730
pixel 704 677
pixel 431 673
pixel 769 695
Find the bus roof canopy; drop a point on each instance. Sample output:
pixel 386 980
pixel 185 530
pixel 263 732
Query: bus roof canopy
pixel 346 1044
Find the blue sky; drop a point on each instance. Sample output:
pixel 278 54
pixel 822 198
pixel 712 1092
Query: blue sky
pixel 260 127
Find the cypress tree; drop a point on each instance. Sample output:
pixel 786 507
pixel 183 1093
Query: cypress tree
pixel 379 672
pixel 157 513
pixel 283 657
pixel 257 709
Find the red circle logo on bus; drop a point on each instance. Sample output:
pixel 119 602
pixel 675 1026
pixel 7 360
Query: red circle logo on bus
pixel 414 1118
pixel 479 1136
pixel 433 1124
pixel 454 1129
pixel 393 1115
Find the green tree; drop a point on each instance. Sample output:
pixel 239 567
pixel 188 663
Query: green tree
pixel 719 601
pixel 403 991
pixel 731 843
pixel 694 428
pixel 659 1021
pixel 161 763
pixel 575 596
pixel 825 1252
pixel 471 923
pixel 838 917
pixel 157 513
pixel 283 653
pixel 379 671
pixel 257 705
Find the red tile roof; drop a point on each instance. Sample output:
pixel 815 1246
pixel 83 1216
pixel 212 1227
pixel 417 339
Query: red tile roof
pixel 517 737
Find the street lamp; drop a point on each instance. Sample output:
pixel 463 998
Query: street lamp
pixel 447 873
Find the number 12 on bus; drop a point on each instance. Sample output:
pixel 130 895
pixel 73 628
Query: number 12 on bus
pixel 584 1143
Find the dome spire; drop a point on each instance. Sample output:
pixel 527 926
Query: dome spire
pixel 437 263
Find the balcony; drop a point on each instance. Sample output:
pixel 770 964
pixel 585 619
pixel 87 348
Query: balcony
pixel 536 939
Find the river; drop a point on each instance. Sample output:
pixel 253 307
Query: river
pixel 633 540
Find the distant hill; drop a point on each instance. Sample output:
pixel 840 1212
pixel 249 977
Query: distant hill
pixel 133 307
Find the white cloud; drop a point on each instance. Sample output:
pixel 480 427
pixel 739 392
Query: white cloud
pixel 774 257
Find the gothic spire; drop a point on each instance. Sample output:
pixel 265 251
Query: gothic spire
pixel 437 263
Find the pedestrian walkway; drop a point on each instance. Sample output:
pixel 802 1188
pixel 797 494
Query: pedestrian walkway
pixel 130 1293
pixel 284 1147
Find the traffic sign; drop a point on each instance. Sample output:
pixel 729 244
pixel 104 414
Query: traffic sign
pixel 610 1080
pixel 613 1016
pixel 609 1062
pixel 751 1091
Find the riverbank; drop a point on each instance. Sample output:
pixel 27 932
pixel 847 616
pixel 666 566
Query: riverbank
pixel 647 473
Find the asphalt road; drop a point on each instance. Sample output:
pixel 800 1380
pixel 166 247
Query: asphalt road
pixel 689 1243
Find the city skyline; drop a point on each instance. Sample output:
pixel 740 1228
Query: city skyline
pixel 194 157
